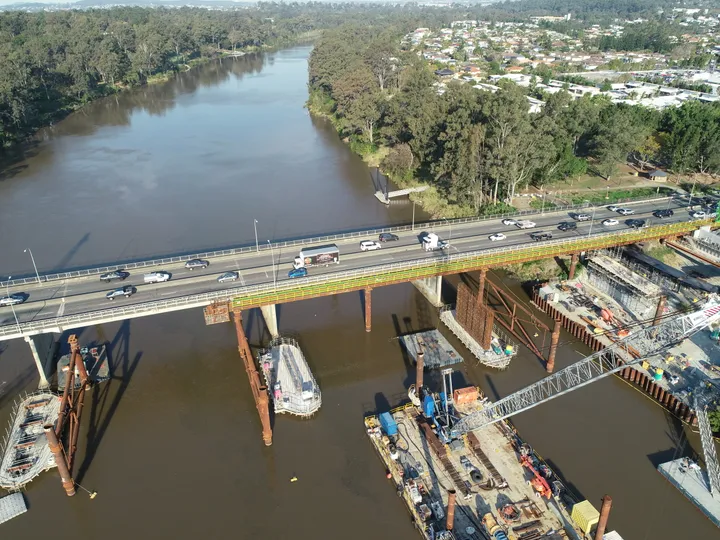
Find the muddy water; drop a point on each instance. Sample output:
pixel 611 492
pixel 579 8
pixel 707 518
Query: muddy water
pixel 172 443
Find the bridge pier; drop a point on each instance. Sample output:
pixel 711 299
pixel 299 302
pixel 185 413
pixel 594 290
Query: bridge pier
pixel 431 288
pixel 271 321
pixel 554 339
pixel 573 266
pixel 42 347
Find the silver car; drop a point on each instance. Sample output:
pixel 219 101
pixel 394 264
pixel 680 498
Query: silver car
pixel 196 263
pixel 13 299
pixel 227 276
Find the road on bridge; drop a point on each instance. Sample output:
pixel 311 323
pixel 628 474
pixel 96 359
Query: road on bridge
pixel 49 300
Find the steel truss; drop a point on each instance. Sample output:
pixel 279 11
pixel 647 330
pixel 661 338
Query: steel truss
pixel 637 346
pixel 708 444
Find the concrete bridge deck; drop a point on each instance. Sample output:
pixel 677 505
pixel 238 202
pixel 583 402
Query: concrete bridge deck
pixel 79 300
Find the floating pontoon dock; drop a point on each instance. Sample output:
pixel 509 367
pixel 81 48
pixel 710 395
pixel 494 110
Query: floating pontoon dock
pixel 12 506
pixel 438 351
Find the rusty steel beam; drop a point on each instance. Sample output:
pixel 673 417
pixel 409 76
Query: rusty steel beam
pixel 659 310
pixel 604 515
pixel 259 391
pixel 488 329
pixel 450 521
pixel 554 339
pixel 67 482
pixel 573 265
pixel 689 251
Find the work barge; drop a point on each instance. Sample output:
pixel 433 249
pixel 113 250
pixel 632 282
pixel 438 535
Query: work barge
pixel 487 485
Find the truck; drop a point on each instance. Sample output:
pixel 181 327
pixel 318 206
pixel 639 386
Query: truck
pixel 317 256
pixel 432 242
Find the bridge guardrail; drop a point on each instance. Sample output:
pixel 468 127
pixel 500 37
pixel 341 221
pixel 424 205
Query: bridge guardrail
pixel 427 225
pixel 203 299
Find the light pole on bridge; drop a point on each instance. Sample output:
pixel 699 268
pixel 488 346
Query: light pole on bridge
pixel 272 254
pixel 7 288
pixel 257 247
pixel 37 274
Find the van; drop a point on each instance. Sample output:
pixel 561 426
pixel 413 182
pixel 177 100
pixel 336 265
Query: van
pixel 156 277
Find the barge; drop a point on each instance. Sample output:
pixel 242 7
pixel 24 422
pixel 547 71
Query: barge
pixel 292 386
pixel 487 484
pixel 96 365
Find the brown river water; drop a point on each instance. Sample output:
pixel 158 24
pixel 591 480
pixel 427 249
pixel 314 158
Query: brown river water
pixel 172 443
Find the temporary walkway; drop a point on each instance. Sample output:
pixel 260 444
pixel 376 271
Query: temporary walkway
pixel 384 197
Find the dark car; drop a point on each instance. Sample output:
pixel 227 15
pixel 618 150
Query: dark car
pixel 388 237
pixel 298 272
pixel 192 264
pixel 567 226
pixel 125 291
pixel 635 223
pixel 120 275
pixel 663 213
pixel 540 236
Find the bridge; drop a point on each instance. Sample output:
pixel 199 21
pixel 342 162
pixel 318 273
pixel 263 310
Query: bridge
pixel 70 300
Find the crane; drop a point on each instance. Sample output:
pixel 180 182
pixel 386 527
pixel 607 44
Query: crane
pixel 632 349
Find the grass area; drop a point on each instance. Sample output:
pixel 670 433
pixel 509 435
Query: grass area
pixel 542 270
pixel 619 195
pixel 658 251
pixel 537 204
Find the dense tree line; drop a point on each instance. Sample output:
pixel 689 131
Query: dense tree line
pixel 642 37
pixel 479 147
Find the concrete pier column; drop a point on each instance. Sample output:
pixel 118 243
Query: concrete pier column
pixel 659 311
pixel 604 515
pixel 573 266
pixel 431 288
pixel 271 321
pixel 368 309
pixel 41 346
pixel 54 445
pixel 554 339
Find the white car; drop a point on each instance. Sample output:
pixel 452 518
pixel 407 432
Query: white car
pixel 369 245
pixel 625 211
pixel 497 236
pixel 524 224
pixel 610 222
pixel 698 214
pixel 613 208
pixel 509 221
pixel 156 277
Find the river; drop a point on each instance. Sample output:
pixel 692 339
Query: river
pixel 172 443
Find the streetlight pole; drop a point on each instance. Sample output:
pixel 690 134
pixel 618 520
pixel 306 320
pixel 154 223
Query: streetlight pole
pixel 413 221
pixel 7 287
pixel 37 274
pixel 272 254
pixel 257 247
pixel 592 220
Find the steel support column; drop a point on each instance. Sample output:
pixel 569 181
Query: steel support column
pixel 419 366
pixel 56 449
pixel 660 310
pixel 450 522
pixel 604 514
pixel 481 287
pixel 488 329
pixel 368 309
pixel 573 265
pixel 259 391
pixel 554 339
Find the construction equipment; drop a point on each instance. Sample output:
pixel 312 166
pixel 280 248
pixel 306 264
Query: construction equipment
pixel 492 528
pixel 539 484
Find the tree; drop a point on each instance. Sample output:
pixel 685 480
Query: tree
pixel 358 99
pixel 399 162
pixel 647 150
pixel 615 138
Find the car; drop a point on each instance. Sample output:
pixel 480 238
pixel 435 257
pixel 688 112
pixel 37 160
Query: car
pixel 125 291
pixel 525 224
pixel 227 276
pixel 613 208
pixel 388 237
pixel 497 236
pixel 539 236
pixel 298 272
pixel 625 211
pixel 663 213
pixel 610 222
pixel 582 217
pixel 698 214
pixel 112 276
pixel 156 277
pixel 567 226
pixel 369 245
pixel 635 223
pixel 13 299
pixel 192 264
pixel 509 221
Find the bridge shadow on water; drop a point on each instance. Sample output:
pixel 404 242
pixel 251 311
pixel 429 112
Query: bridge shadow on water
pixel 105 397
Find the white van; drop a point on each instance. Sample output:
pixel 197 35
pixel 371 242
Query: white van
pixel 156 277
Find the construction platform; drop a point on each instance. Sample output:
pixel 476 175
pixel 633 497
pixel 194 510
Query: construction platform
pixel 438 351
pixel 25 452
pixel 291 384
pixel 692 481
pixel 12 506
pixel 492 490
pixel 96 365
pixel 502 350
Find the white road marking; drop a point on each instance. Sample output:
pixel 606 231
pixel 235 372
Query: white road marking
pixel 61 309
